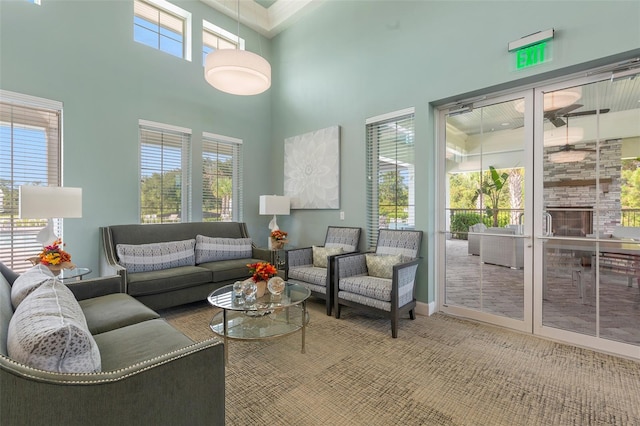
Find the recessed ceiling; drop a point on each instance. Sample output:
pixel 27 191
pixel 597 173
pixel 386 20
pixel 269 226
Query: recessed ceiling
pixel 267 17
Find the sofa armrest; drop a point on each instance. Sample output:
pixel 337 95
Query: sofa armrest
pixel 404 281
pixel 184 385
pixel 95 287
pixel 108 259
pixel 261 253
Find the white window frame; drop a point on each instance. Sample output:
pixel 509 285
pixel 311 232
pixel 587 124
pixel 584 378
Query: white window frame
pixel 208 27
pixel 19 235
pixel 185 164
pixel 180 13
pixel 237 184
pixel 374 158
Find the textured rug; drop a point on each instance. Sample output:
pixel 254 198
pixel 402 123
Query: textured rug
pixel 439 371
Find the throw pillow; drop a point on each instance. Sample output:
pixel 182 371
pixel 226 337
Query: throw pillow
pixel 156 256
pixel 48 331
pixel 320 255
pixel 381 265
pixel 211 249
pixel 28 282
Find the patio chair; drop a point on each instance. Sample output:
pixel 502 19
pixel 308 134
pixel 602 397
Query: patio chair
pixel 381 282
pixel 312 267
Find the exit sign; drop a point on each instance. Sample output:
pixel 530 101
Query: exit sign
pixel 531 55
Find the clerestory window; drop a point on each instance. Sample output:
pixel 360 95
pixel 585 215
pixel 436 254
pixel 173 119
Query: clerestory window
pixel 163 26
pixel 214 38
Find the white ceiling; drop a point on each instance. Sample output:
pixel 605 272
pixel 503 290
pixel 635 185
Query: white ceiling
pixel 267 17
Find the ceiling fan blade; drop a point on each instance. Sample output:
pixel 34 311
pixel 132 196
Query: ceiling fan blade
pixel 567 109
pixel 557 121
pixel 590 112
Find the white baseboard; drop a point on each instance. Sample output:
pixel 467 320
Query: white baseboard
pixel 426 309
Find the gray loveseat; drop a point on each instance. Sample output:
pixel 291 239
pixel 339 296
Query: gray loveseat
pixel 178 280
pixel 150 373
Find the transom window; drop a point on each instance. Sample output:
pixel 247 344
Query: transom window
pixel 390 173
pixel 221 178
pixel 163 26
pixel 214 38
pixel 30 146
pixel 164 173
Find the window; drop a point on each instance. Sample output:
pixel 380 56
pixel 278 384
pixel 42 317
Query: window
pixel 163 26
pixel 221 178
pixel 164 173
pixel 390 173
pixel 214 37
pixel 29 155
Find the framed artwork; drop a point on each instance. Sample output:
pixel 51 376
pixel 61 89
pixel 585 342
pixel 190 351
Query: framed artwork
pixel 312 169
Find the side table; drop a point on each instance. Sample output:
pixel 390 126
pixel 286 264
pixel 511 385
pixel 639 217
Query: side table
pixel 68 274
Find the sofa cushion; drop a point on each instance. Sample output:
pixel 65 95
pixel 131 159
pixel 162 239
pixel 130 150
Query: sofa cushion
pixel 381 265
pixel 152 282
pixel 211 249
pixel 105 313
pixel 124 347
pixel 320 255
pixel 48 331
pixel 367 286
pixel 156 256
pixel 29 281
pixel 309 274
pixel 227 270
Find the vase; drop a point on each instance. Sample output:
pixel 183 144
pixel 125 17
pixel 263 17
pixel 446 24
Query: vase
pixel 278 244
pixel 262 288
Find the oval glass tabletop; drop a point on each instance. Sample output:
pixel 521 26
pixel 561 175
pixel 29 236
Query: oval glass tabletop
pixel 293 294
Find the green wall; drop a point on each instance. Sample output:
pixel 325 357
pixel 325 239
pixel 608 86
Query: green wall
pixel 343 63
pixel 350 60
pixel 82 53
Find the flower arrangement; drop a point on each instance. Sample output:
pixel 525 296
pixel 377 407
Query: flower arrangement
pixel 279 235
pixel 53 256
pixel 262 271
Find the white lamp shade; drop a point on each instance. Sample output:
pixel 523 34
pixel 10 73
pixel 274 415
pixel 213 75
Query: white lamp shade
pixel 237 72
pixel 275 204
pixel 40 202
pixel 555 100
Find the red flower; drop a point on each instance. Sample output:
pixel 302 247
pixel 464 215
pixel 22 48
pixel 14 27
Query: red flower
pixel 262 271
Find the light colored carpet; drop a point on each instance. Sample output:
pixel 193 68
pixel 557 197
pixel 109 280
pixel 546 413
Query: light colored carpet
pixel 439 371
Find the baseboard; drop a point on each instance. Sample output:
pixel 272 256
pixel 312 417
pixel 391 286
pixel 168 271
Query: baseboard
pixel 426 309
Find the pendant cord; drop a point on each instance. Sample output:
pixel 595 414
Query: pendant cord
pixel 238 32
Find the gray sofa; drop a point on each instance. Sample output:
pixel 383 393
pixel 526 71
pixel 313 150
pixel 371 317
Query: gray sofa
pixel 150 372
pixel 176 285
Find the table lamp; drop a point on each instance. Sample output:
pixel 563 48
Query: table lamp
pixel 274 205
pixel 48 202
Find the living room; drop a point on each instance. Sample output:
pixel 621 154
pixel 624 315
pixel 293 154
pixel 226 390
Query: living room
pixel 339 64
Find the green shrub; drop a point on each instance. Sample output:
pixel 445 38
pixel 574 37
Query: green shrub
pixel 460 223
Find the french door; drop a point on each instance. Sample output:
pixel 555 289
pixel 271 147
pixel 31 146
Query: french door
pixel 539 211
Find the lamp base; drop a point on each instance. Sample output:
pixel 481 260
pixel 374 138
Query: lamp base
pixel 46 235
pixel 273 226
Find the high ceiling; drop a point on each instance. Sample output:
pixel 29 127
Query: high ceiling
pixel 268 17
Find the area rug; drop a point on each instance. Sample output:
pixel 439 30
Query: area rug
pixel 441 370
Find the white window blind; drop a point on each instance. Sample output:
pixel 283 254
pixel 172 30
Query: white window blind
pixel 164 173
pixel 221 178
pixel 390 173
pixel 163 26
pixel 30 149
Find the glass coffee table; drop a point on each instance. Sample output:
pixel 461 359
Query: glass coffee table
pixel 269 317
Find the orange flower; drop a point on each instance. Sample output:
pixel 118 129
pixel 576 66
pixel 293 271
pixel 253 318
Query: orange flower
pixel 53 254
pixel 262 271
pixel 279 235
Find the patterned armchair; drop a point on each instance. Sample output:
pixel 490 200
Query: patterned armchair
pixel 381 282
pixel 313 267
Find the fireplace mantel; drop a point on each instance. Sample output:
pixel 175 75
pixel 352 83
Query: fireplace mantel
pixel 579 182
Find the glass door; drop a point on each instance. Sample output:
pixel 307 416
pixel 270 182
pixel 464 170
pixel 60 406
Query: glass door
pixel 483 232
pixel 587 234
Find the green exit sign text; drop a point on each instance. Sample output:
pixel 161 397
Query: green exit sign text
pixel 531 55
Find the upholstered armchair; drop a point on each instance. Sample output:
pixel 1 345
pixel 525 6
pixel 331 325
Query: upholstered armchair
pixel 381 282
pixel 313 267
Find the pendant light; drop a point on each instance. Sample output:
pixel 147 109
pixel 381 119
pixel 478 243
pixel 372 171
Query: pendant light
pixel 568 153
pixel 237 71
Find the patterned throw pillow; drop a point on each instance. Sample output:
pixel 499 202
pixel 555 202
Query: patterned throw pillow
pixel 156 256
pixel 28 282
pixel 320 255
pixel 49 331
pixel 381 265
pixel 211 249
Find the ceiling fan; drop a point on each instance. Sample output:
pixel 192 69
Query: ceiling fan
pixel 556 116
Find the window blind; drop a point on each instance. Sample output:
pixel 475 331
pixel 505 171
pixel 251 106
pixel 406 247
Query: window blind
pixel 390 173
pixel 221 178
pixel 164 173
pixel 30 152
